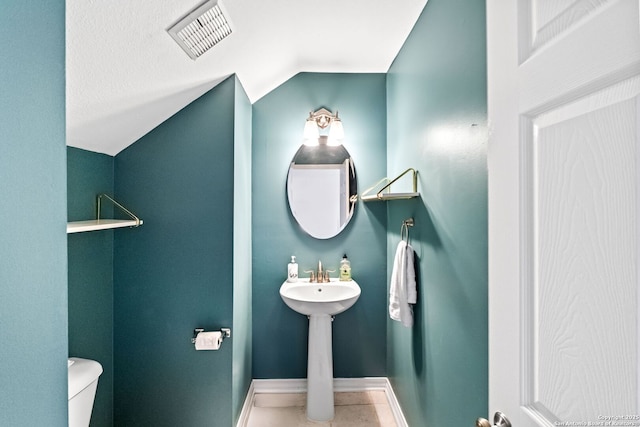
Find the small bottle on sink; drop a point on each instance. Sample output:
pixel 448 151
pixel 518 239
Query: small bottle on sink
pixel 292 270
pixel 345 269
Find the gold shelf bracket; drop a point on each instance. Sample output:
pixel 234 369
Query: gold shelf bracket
pixel 118 205
pixel 388 195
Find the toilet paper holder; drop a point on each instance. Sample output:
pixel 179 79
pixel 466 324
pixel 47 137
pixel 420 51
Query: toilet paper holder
pixel 226 333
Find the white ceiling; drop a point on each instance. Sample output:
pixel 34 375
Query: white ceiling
pixel 126 75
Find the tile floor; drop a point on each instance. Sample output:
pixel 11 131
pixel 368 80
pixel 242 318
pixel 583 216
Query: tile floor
pixel 352 409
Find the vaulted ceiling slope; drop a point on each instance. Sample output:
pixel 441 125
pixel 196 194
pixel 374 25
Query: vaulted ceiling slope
pixel 126 75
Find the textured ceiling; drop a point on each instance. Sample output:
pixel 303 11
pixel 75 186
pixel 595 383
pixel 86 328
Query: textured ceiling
pixel 126 75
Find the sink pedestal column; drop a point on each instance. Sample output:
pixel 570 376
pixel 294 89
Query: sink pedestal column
pixel 320 369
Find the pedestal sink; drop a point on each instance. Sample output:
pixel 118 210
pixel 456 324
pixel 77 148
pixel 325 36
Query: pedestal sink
pixel 320 301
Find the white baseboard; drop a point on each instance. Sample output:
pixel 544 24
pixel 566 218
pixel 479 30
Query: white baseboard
pixel 243 419
pixel 339 385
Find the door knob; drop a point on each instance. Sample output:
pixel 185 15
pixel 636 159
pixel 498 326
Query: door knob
pixel 499 420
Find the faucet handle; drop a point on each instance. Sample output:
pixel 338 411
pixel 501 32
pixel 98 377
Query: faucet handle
pixel 326 275
pixel 312 276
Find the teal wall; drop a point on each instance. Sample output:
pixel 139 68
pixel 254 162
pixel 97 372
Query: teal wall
pixel 33 214
pixel 437 124
pixel 242 271
pixel 90 258
pixel 175 273
pixel 279 333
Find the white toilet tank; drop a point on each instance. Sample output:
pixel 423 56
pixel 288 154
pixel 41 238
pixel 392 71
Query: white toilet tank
pixel 83 381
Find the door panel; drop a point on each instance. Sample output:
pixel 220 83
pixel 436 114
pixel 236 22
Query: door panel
pixel 564 122
pixel 544 20
pixel 599 50
pixel 581 360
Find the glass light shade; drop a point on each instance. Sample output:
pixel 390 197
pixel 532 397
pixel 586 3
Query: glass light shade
pixel 337 131
pixel 311 131
pixel 332 142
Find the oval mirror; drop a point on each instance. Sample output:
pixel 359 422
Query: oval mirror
pixel 322 189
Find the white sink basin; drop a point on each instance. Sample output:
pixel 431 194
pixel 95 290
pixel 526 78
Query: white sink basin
pixel 320 298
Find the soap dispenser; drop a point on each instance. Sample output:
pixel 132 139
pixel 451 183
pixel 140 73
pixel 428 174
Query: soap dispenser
pixel 292 270
pixel 345 269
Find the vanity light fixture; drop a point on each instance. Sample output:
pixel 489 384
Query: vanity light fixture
pixel 322 119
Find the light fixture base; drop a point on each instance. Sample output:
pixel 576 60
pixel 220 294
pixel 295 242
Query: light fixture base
pixel 323 117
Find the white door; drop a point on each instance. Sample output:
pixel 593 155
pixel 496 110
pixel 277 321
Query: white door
pixel 564 203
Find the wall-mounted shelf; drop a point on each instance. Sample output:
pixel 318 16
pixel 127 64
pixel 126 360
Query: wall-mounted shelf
pixel 381 195
pixel 104 224
pixel 99 224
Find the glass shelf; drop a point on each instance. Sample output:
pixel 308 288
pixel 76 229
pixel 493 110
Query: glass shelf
pixel 104 224
pixel 100 224
pixel 382 196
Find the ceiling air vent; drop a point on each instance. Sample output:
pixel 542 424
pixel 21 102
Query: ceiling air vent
pixel 201 29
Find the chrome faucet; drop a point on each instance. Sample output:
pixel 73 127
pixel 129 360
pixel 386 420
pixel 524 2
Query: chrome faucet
pixel 320 276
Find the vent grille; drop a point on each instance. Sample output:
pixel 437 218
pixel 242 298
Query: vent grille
pixel 201 29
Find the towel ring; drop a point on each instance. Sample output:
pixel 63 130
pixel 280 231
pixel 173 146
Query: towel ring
pixel 404 229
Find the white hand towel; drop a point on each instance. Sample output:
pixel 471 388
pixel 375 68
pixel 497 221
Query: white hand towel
pixel 402 289
pixel 395 291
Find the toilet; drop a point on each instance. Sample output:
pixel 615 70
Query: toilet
pixel 83 381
